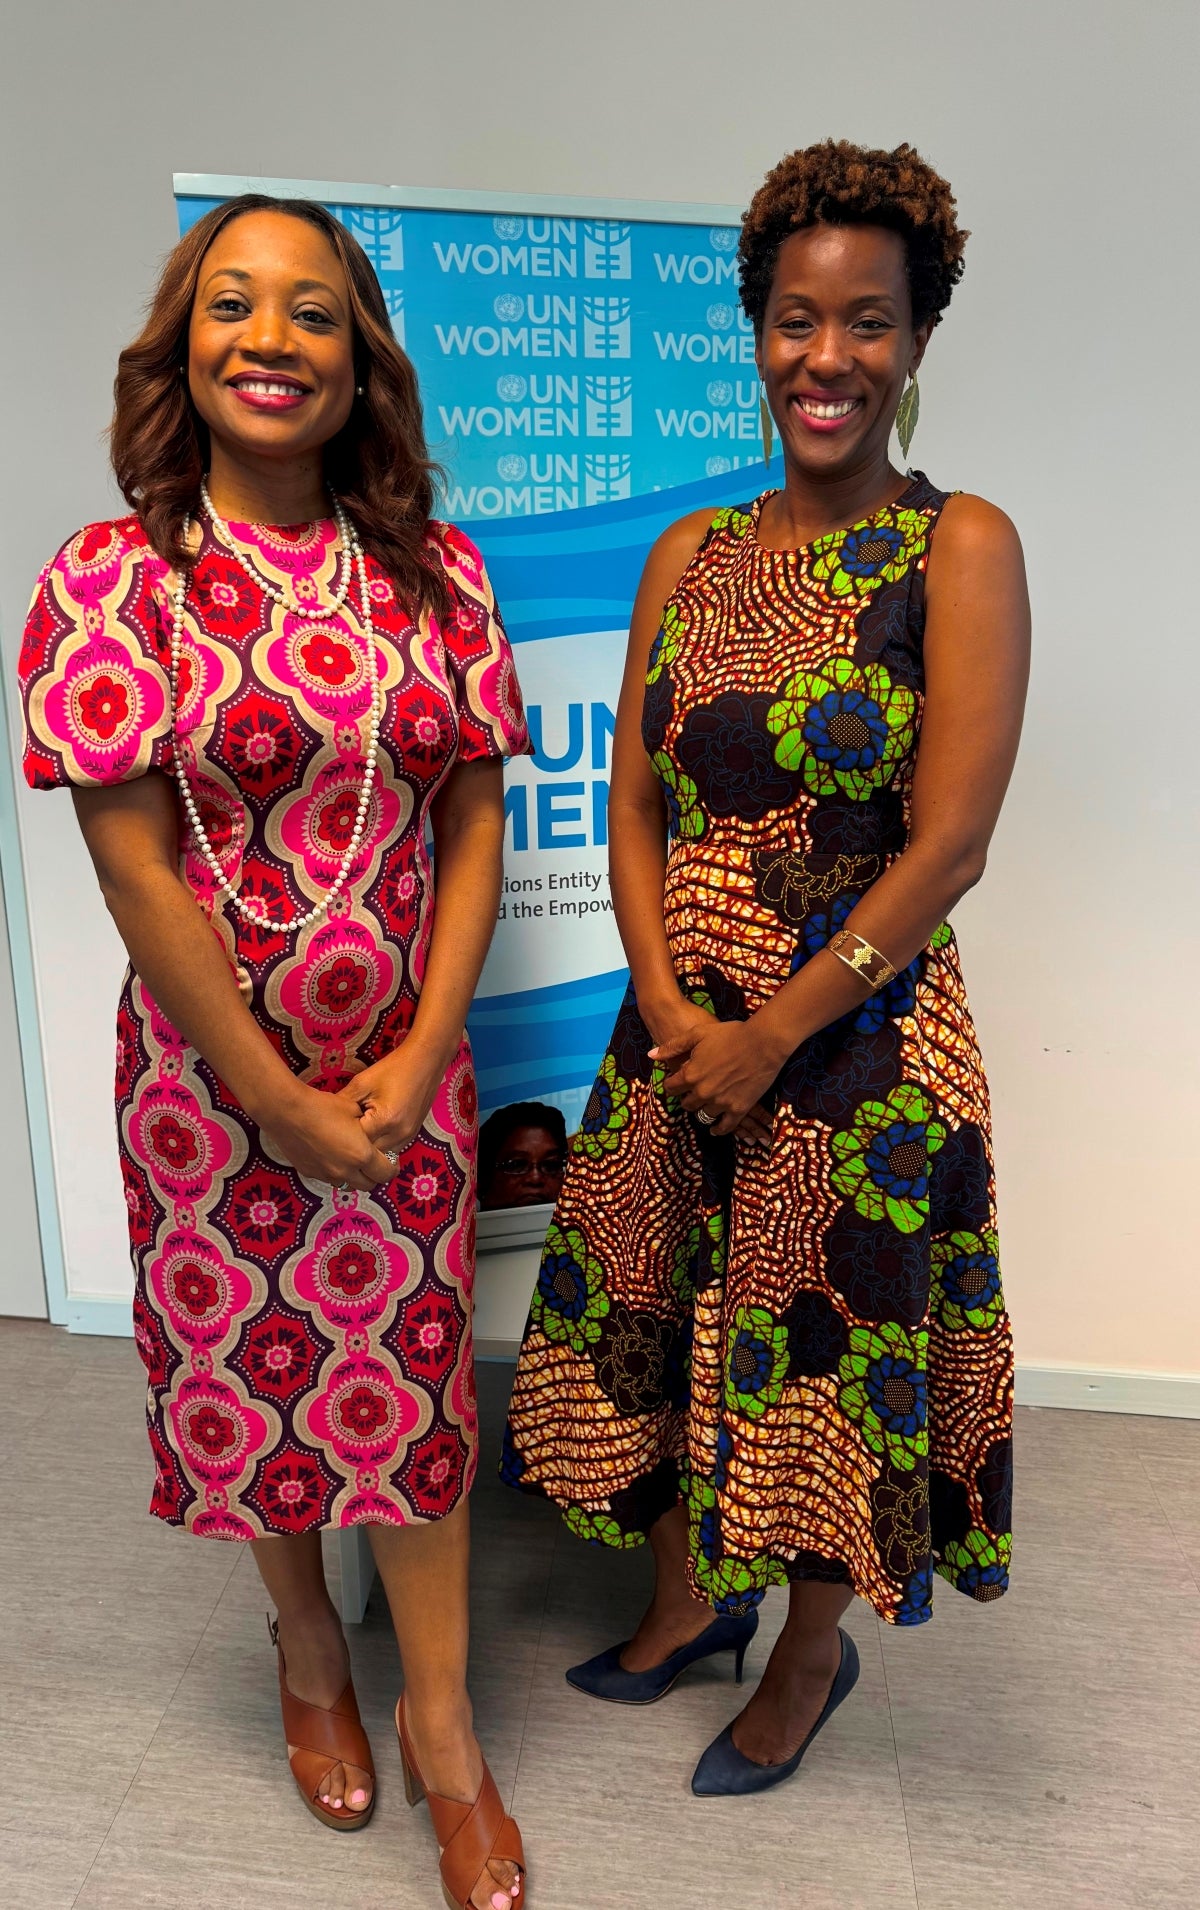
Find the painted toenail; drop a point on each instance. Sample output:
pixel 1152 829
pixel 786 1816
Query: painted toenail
pixel 358 1797
pixel 500 1900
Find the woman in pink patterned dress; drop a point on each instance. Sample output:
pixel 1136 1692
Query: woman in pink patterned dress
pixel 261 685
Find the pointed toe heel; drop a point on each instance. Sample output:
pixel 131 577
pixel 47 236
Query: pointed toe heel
pixel 724 1771
pixel 605 1676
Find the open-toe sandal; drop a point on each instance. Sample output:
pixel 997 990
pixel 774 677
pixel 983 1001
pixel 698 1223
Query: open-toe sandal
pixel 318 1739
pixel 470 1835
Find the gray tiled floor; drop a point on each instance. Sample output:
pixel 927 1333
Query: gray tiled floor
pixel 1037 1755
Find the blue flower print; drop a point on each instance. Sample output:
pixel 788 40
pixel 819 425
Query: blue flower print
pixel 855 562
pixel 562 1286
pixel 868 551
pixel 971 1280
pixel 569 1301
pixel 916 1605
pixel 898 1162
pixel 847 730
pixel 756 1361
pixel 897 1392
pixel 967 1270
pixel 983 1582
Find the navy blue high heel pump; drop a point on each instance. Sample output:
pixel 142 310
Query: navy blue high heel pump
pixel 724 1772
pixel 606 1677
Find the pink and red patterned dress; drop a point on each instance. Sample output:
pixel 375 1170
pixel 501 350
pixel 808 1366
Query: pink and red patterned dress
pixel 308 1350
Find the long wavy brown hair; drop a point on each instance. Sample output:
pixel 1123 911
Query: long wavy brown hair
pixel 378 463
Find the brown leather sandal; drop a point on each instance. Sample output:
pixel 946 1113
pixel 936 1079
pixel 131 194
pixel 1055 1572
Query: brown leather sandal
pixel 469 1835
pixel 320 1739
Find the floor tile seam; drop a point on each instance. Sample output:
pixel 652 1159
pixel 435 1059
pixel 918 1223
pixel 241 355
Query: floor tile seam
pixel 1184 1556
pixel 152 1739
pixel 912 1863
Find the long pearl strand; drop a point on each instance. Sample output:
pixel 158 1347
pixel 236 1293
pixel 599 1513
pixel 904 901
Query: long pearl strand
pixel 253 911
pixel 264 583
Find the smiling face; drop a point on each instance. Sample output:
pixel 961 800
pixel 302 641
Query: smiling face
pixel 837 346
pixel 271 340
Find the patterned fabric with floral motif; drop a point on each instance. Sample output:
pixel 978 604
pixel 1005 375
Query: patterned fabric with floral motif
pixel 808 1344
pixel 308 1350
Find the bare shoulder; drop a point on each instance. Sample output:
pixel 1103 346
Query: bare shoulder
pixel 971 531
pixel 976 587
pixel 672 552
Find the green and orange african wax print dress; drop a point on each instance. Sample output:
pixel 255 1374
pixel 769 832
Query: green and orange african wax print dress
pixel 808 1343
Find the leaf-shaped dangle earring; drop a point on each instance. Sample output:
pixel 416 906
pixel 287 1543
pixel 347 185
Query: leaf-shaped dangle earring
pixel 907 413
pixel 768 434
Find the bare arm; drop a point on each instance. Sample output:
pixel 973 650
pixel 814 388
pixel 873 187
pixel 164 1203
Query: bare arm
pixel 131 834
pixel 395 1095
pixel 637 816
pixel 976 666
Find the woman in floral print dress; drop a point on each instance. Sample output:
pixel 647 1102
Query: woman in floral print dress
pixel 259 718
pixel 768 1331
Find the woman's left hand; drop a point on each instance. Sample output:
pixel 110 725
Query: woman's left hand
pixel 394 1096
pixel 724 1072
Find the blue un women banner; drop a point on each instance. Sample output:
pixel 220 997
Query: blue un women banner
pixel 587 378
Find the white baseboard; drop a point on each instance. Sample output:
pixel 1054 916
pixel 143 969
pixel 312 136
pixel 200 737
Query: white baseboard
pixel 1089 1389
pixel 104 1318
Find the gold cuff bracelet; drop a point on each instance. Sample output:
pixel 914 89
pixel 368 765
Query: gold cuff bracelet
pixel 862 958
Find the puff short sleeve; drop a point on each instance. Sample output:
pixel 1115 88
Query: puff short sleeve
pixel 95 661
pixel 491 714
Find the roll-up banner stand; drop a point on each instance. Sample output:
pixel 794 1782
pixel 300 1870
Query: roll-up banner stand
pixel 587 377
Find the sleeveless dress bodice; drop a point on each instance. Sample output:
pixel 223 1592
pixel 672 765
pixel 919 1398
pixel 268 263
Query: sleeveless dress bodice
pixel 807 1342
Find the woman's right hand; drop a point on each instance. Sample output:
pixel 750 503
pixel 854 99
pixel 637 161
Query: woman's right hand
pixel 676 1027
pixel 322 1137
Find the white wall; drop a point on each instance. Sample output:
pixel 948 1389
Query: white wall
pixel 1063 386
pixel 22 1288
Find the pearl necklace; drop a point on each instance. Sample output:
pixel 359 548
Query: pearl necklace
pixel 254 911
pixel 272 590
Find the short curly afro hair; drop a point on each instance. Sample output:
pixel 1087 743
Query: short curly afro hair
pixel 836 183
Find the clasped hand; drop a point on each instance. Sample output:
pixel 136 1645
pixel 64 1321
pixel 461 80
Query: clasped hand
pixel 720 1068
pixel 350 1138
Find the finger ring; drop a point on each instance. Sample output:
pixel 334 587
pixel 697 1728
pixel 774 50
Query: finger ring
pixel 388 1155
pixel 343 1187
pixel 702 1114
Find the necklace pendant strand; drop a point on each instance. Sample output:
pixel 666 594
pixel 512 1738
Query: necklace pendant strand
pixel 355 560
pixel 345 562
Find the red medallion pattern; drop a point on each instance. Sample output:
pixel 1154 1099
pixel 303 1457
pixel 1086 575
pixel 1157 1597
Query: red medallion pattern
pixel 307 1350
